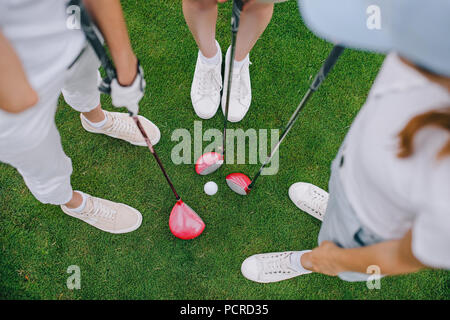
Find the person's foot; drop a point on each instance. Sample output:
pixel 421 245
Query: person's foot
pixel 122 126
pixel 309 198
pixel 241 91
pixel 206 85
pixel 273 267
pixel 106 215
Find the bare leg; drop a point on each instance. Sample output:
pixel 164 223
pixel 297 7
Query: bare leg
pixel 75 202
pixel 254 19
pixel 95 115
pixel 201 17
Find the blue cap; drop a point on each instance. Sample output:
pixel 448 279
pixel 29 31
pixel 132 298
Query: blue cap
pixel 417 30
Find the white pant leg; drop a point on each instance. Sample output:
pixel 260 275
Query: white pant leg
pixel 80 89
pixel 25 130
pixel 45 169
pixel 30 142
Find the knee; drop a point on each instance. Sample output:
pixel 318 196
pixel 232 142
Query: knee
pixel 200 4
pixel 260 11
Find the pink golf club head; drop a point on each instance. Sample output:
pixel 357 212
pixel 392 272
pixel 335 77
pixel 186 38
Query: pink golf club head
pixel 184 223
pixel 239 182
pixel 208 163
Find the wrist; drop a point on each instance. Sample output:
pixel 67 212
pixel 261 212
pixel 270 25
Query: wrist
pixel 341 261
pixel 126 66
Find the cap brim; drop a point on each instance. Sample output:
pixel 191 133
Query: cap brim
pixel 351 23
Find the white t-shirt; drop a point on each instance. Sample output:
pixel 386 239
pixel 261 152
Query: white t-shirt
pixel 392 195
pixel 46 47
pixel 38 32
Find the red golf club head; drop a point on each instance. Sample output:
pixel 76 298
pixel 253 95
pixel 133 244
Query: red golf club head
pixel 239 182
pixel 208 163
pixel 184 223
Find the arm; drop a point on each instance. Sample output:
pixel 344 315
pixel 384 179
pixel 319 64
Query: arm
pixel 393 257
pixel 109 18
pixel 16 93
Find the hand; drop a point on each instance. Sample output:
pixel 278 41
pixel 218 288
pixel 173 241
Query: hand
pixel 323 259
pixel 129 96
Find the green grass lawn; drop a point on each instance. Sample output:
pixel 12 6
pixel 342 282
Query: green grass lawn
pixel 38 242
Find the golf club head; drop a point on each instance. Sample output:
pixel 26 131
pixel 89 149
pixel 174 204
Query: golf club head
pixel 208 163
pixel 184 223
pixel 239 182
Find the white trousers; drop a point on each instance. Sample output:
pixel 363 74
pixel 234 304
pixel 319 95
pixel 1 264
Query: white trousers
pixel 30 141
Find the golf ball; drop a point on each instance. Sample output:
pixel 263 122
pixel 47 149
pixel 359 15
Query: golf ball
pixel 211 188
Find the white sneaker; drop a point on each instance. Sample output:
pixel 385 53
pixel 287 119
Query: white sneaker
pixel 309 198
pixel 121 126
pixel 107 216
pixel 241 91
pixel 270 267
pixel 206 86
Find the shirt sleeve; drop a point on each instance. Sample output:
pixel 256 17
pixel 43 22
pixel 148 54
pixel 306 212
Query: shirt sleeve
pixel 2 13
pixel 431 200
pixel 431 237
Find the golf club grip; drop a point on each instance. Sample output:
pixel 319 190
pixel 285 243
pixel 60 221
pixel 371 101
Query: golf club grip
pixel 236 15
pixel 89 30
pixel 327 66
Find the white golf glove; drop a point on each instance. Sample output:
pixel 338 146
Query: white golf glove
pixel 129 96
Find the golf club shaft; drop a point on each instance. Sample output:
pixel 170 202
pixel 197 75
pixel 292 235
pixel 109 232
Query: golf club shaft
pixel 89 30
pixel 158 160
pixel 320 77
pixel 235 20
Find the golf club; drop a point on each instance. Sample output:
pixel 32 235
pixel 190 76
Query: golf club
pixel 239 182
pixel 211 161
pixel 184 223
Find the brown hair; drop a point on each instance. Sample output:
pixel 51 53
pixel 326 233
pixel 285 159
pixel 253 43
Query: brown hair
pixel 439 118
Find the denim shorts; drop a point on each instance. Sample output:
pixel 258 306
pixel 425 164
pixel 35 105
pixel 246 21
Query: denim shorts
pixel 340 224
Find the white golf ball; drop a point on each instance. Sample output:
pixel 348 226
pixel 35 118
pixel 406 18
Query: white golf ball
pixel 211 188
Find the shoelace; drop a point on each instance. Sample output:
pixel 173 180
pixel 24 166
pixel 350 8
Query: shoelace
pixel 100 210
pixel 318 202
pixel 279 266
pixel 208 83
pixel 120 125
pixel 240 91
